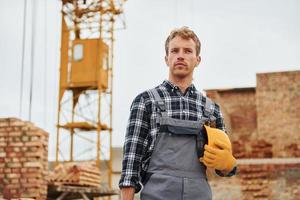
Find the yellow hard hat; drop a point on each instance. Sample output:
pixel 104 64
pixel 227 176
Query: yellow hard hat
pixel 214 134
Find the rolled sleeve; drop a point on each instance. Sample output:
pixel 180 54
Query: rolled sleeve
pixel 135 144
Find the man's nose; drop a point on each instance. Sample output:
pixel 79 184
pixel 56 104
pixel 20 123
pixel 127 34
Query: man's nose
pixel 180 56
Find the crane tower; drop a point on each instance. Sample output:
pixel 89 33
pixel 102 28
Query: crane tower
pixel 84 118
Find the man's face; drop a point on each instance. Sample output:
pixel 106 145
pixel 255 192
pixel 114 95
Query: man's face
pixel 182 58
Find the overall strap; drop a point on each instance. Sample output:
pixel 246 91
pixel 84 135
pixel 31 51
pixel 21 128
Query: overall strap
pixel 159 102
pixel 209 110
pixel 189 126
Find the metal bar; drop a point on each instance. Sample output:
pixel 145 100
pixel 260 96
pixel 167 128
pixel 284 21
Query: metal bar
pixel 62 196
pixel 84 138
pixel 32 57
pixel 98 127
pixel 23 59
pixel 72 133
pixel 59 103
pixel 111 101
pixel 268 161
pixel 84 196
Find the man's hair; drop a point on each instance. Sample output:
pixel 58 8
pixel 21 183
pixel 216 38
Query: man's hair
pixel 185 33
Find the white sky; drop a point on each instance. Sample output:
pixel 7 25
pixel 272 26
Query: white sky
pixel 239 39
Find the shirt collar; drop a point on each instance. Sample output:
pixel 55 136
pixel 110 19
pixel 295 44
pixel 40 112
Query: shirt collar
pixel 173 87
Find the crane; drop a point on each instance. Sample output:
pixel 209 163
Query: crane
pixel 84 116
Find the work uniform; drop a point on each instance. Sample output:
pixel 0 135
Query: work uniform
pixel 174 171
pixel 160 150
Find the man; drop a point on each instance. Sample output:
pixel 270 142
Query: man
pixel 165 133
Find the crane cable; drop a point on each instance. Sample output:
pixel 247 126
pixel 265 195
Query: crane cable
pixel 45 66
pixel 32 56
pixel 23 59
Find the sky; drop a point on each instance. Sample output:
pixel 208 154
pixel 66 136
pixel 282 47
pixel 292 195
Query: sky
pixel 239 39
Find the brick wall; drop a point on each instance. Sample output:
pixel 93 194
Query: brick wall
pixel 239 109
pixel 278 116
pixel 267 115
pixel 259 181
pixel 23 160
pixel 263 123
pixel 239 105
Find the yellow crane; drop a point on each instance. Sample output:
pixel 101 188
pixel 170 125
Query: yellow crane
pixel 84 117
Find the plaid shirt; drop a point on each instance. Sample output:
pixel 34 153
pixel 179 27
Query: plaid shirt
pixel 143 129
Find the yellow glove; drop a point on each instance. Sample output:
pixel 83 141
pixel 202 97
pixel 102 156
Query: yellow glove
pixel 219 158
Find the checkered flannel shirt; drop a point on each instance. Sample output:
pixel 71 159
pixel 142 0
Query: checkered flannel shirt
pixel 142 129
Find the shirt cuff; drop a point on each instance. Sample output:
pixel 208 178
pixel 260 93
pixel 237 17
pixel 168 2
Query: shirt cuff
pixel 231 173
pixel 130 183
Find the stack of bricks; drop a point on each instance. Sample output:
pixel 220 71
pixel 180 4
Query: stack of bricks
pixel 270 181
pixel 239 149
pixel 255 182
pixel 261 149
pixel 23 160
pixel 293 149
pixel 256 149
pixel 267 180
pixel 84 174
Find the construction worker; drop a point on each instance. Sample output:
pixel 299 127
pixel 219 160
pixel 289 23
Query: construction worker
pixel 165 155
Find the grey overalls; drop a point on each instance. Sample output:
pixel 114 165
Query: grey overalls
pixel 174 168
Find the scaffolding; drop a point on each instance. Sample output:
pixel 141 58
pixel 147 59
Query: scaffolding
pixel 84 117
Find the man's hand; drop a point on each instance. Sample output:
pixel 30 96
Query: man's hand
pixel 219 158
pixel 127 193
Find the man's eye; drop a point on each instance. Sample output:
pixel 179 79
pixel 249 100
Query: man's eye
pixel 174 50
pixel 188 51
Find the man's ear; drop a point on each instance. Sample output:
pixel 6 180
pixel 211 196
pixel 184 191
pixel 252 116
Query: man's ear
pixel 166 60
pixel 198 60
